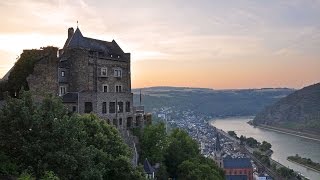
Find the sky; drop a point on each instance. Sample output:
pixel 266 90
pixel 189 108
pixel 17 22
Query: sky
pixel 196 43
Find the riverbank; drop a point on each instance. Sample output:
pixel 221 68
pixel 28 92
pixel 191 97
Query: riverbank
pixel 303 165
pixel 290 132
pixel 283 144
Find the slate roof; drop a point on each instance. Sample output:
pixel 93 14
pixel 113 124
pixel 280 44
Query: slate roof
pixel 147 167
pixel 70 98
pixel 234 163
pixel 79 41
pixel 236 177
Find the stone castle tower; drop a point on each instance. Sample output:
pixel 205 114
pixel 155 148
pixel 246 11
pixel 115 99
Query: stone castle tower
pixel 94 76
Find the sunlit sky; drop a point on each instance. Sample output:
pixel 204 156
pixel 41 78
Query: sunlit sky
pixel 204 43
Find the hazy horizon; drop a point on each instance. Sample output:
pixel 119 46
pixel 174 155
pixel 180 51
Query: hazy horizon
pixel 207 44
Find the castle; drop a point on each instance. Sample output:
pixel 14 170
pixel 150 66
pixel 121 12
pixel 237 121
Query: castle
pixel 89 75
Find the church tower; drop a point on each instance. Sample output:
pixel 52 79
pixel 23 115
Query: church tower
pixel 218 152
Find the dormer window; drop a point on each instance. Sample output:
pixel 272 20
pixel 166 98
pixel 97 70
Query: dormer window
pixel 104 72
pixel 118 56
pixel 110 55
pixel 117 73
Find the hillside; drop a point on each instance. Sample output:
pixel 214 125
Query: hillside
pixel 298 111
pixel 215 103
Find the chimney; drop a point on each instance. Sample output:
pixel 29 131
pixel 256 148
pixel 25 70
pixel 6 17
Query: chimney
pixel 70 32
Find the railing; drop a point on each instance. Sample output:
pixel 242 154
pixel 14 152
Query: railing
pixel 138 109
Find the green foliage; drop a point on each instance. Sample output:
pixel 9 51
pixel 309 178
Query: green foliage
pixel 182 147
pixel 299 111
pixel 26 176
pixel 265 146
pixel 263 158
pixel 46 138
pixel 176 153
pixel 162 173
pixel 17 79
pixel 49 175
pixel 286 172
pixel 198 169
pixel 305 161
pixel 154 142
pixel 6 165
pixel 233 134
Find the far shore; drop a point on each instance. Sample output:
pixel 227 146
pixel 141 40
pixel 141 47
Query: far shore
pixel 290 132
pixel 308 167
pixel 305 135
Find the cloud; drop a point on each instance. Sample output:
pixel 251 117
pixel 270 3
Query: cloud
pixel 205 31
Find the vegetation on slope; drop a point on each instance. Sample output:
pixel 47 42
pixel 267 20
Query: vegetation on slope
pixel 177 153
pixel 43 140
pixel 17 79
pixel 305 161
pixel 298 111
pixel 215 103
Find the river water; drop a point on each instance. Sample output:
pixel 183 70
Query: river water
pixel 283 145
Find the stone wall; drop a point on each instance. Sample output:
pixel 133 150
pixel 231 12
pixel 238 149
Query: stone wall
pixel 44 79
pixel 98 98
pixel 85 71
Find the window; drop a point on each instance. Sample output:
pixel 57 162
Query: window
pixel 118 88
pixel 120 121
pixel 115 122
pixel 118 56
pixel 105 88
pixel 128 106
pixel 117 73
pixel 120 107
pixel 87 107
pixel 112 107
pixel 104 71
pixel 62 73
pixel 63 90
pixel 129 122
pixel 74 108
pixel 110 55
pixel 104 108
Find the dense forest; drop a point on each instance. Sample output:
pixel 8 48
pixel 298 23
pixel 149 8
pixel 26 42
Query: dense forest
pixel 298 111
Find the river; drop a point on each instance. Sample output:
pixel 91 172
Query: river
pixel 283 145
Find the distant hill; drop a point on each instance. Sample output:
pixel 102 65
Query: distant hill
pixel 215 103
pixel 298 111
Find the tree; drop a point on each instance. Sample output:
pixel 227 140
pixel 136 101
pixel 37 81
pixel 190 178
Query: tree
pixel 233 134
pixel 198 169
pixel 265 146
pixel 154 143
pixel 242 139
pixel 44 138
pixel 182 147
pixel 252 142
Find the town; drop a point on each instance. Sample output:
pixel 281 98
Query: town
pixel 237 161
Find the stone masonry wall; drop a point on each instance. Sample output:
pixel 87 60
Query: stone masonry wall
pixel 44 80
